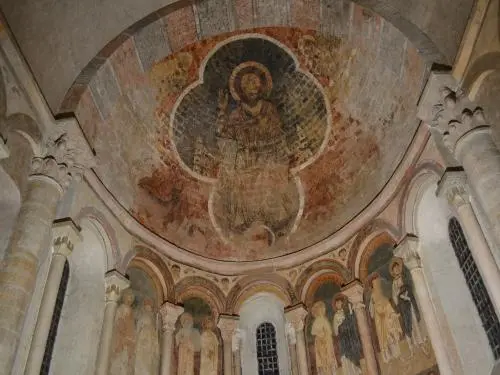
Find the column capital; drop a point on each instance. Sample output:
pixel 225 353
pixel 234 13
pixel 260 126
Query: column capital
pixel 445 107
pixel 64 155
pixel 354 293
pixel 115 283
pixel 453 187
pixel 169 315
pixel 407 250
pixel 227 325
pixel 296 315
pixel 65 235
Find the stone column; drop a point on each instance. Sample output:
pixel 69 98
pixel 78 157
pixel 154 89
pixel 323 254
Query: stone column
pixel 227 325
pixel 238 340
pixel 460 127
pixel 453 187
pixel 115 283
pixel 169 315
pixel 66 155
pixel 354 292
pixel 295 317
pixel 292 341
pixel 408 251
pixel 66 234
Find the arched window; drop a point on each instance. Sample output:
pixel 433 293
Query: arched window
pixel 267 354
pixel 56 316
pixel 476 286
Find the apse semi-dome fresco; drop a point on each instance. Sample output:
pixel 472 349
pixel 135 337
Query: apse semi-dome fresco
pixel 255 144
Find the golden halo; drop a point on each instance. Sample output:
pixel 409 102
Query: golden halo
pixel 394 261
pixel 249 67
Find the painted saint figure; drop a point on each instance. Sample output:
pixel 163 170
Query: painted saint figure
pixel 326 363
pixel 209 349
pixel 147 353
pixel 124 337
pixel 254 153
pixel 387 325
pixel 187 341
pixel 404 300
pixel 346 331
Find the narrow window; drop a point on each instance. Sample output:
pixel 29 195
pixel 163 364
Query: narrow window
pixel 267 352
pixel 476 286
pixel 56 316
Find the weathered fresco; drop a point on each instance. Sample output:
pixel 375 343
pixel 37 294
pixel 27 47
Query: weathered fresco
pixel 401 340
pixel 332 334
pixel 197 342
pixel 135 347
pixel 252 145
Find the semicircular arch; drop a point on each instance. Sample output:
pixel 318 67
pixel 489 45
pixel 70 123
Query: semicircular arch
pixel 199 287
pixel 321 267
pixel 253 284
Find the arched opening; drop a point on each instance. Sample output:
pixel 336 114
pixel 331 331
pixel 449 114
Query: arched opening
pixel 83 306
pixel 476 286
pixel 257 310
pixel 460 325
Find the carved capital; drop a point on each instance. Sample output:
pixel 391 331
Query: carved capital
pixel 407 250
pixel 65 234
pixel 354 293
pixel 115 283
pixel 169 315
pixel 227 325
pixel 65 154
pixel 296 315
pixel 453 187
pixel 446 108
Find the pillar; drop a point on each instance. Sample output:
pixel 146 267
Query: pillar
pixel 238 341
pixel 227 325
pixel 453 187
pixel 115 283
pixel 20 265
pixel 169 315
pixel 295 317
pixel 354 292
pixel 460 128
pixel 65 234
pixel 408 251
pixel 66 155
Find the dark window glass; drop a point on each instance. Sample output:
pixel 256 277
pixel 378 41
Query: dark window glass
pixel 56 316
pixel 267 354
pixel 476 286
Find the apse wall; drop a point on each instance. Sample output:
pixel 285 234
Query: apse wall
pixel 447 285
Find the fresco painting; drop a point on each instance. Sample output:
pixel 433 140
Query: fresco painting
pixel 401 340
pixel 243 157
pixel 251 144
pixel 198 348
pixel 135 345
pixel 332 334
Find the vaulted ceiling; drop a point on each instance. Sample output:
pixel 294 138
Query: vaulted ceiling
pixel 240 130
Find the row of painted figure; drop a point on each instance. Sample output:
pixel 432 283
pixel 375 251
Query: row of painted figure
pixel 136 345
